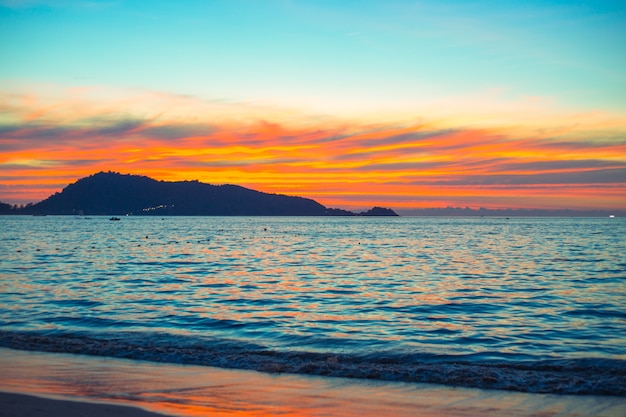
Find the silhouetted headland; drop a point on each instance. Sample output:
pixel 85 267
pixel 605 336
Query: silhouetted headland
pixel 111 193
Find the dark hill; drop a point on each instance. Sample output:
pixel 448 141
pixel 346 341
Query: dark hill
pixel 113 193
pixel 117 194
pixel 379 211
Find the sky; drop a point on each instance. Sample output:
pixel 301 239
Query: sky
pixel 396 103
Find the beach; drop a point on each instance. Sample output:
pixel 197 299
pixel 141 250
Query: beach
pixel 74 385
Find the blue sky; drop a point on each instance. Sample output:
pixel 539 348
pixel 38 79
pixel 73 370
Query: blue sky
pixel 306 52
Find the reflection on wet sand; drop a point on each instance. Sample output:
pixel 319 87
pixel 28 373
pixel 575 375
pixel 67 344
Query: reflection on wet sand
pixel 201 391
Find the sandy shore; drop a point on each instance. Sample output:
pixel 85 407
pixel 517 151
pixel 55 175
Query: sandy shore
pixel 20 405
pixel 105 384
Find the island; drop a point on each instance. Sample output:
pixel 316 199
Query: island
pixel 114 194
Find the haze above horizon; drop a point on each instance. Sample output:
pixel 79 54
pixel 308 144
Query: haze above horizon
pixel 402 104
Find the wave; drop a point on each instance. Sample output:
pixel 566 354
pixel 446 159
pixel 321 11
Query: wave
pixel 580 376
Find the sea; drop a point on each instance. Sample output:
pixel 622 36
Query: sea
pixel 535 305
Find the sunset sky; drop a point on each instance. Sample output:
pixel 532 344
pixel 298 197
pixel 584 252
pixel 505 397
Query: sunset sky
pixel 403 104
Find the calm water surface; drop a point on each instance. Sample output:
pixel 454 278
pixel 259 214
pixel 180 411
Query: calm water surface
pixel 427 299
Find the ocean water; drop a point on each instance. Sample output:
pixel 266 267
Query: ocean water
pixel 525 304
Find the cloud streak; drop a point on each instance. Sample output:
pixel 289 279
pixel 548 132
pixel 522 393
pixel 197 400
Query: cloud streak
pixel 45 142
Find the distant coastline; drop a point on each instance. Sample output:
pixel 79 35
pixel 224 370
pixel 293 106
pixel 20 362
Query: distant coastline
pixel 485 212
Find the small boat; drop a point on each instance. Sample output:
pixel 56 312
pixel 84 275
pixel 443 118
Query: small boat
pixel 114 218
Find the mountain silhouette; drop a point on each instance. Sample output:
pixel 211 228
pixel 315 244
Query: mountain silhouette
pixel 111 193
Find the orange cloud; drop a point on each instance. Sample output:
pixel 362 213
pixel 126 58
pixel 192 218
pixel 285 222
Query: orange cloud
pixel 49 141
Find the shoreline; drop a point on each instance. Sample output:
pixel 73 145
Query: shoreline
pixel 186 390
pixel 583 376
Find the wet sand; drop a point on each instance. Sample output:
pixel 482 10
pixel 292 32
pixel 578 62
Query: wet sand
pixel 19 405
pixel 180 390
